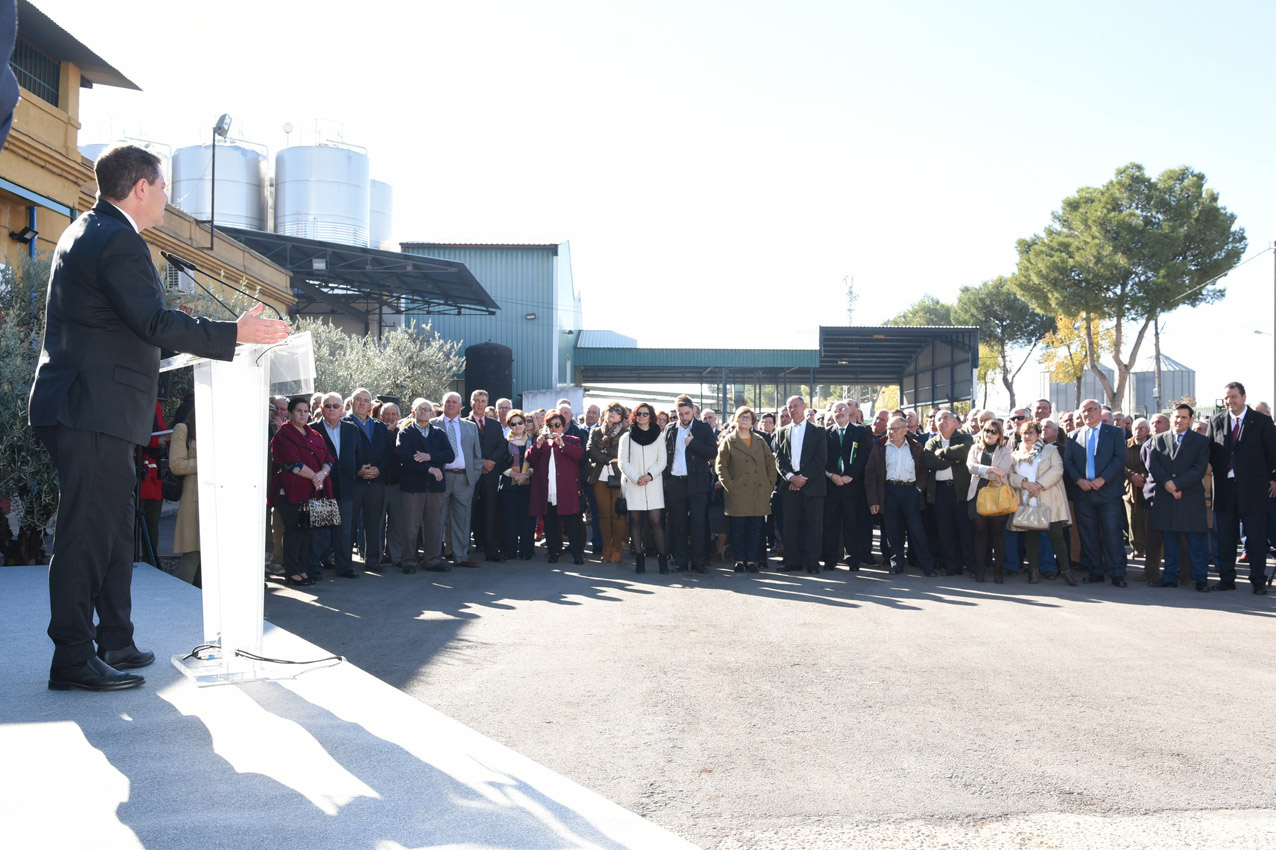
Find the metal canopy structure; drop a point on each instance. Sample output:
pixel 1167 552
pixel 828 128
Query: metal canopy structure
pixel 341 275
pixel 930 365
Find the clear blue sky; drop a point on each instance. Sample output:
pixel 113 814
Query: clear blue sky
pixel 720 167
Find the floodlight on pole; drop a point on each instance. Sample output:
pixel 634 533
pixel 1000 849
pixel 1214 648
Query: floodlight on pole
pixel 221 128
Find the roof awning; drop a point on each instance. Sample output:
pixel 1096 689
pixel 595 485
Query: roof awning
pixel 338 274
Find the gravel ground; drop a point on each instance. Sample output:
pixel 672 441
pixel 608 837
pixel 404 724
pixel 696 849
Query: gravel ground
pixel 849 709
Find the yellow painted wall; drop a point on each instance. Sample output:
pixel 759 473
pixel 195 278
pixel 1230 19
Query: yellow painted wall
pixel 41 155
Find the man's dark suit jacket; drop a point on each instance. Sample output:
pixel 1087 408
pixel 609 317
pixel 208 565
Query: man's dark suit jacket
pixel 701 454
pixel 351 459
pixel 936 457
pixel 105 326
pixel 1185 465
pixel 814 458
pixel 492 445
pixel 1109 462
pixel 379 450
pixel 850 455
pixel 1253 457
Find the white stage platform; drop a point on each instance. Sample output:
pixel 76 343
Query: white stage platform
pixel 332 759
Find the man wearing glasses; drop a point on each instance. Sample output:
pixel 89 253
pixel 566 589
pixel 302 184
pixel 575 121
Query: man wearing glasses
pixel 896 479
pixel 343 442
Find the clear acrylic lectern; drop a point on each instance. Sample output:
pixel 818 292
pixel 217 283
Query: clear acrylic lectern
pixel 232 421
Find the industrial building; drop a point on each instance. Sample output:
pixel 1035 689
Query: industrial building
pixel 530 345
pixel 1177 382
pixel 47 182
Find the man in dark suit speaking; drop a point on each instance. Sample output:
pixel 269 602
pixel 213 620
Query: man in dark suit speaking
pixel 93 400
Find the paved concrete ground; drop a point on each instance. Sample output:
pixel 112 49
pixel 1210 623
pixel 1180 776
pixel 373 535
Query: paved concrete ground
pixel 849 709
pixel 331 759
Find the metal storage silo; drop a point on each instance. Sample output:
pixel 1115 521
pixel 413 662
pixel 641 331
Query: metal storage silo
pixel 323 192
pixel 241 184
pixel 381 215
pixel 490 366
pixel 93 151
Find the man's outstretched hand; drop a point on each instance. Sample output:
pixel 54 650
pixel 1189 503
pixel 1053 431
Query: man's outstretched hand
pixel 252 329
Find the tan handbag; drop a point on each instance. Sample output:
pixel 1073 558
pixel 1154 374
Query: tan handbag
pixel 996 500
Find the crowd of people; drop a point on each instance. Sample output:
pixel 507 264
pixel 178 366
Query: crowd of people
pixel 795 489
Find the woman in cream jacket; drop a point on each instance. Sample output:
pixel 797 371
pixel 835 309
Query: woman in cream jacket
pixel 1038 473
pixel 641 455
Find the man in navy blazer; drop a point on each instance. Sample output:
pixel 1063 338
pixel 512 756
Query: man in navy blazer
pixel 1243 454
pixel 1096 462
pixel 369 494
pixel 93 401
pixel 801 456
pixel 343 442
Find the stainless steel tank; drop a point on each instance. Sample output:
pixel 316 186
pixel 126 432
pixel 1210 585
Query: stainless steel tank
pixel 241 184
pixel 323 192
pixel 381 216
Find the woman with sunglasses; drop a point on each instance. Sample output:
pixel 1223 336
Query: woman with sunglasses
pixel 989 462
pixel 604 478
pixel 555 458
pixel 514 492
pixel 642 461
pixel 1038 473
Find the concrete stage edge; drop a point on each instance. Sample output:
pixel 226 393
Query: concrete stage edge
pixel 332 758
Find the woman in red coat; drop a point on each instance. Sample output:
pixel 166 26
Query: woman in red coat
pixel 555 459
pixel 302 464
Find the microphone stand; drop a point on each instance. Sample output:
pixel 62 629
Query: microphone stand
pixel 187 266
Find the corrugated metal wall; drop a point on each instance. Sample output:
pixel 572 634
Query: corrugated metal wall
pixel 521 280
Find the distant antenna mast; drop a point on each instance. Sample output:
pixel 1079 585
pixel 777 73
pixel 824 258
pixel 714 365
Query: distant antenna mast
pixel 851 298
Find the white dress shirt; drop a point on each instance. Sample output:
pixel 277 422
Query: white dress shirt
pixel 797 436
pixel 899 463
pixel 944 474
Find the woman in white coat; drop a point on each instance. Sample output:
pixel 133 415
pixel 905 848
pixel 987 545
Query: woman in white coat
pixel 641 455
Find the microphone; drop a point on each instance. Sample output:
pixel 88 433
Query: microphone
pixel 188 266
pixel 180 262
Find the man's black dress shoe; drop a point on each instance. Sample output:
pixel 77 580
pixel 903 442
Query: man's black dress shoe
pixel 93 675
pixel 1260 590
pixel 928 573
pixel 348 574
pixel 789 569
pixel 1163 583
pixel 895 570
pixel 700 570
pixel 440 567
pixel 130 658
pixel 407 571
pixel 1203 587
pixel 813 570
pixel 553 559
pixel 577 560
pixel 1091 578
pixel 1117 581
pixel 1224 585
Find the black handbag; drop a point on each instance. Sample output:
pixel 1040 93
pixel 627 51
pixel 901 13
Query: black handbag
pixel 622 507
pixel 171 486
